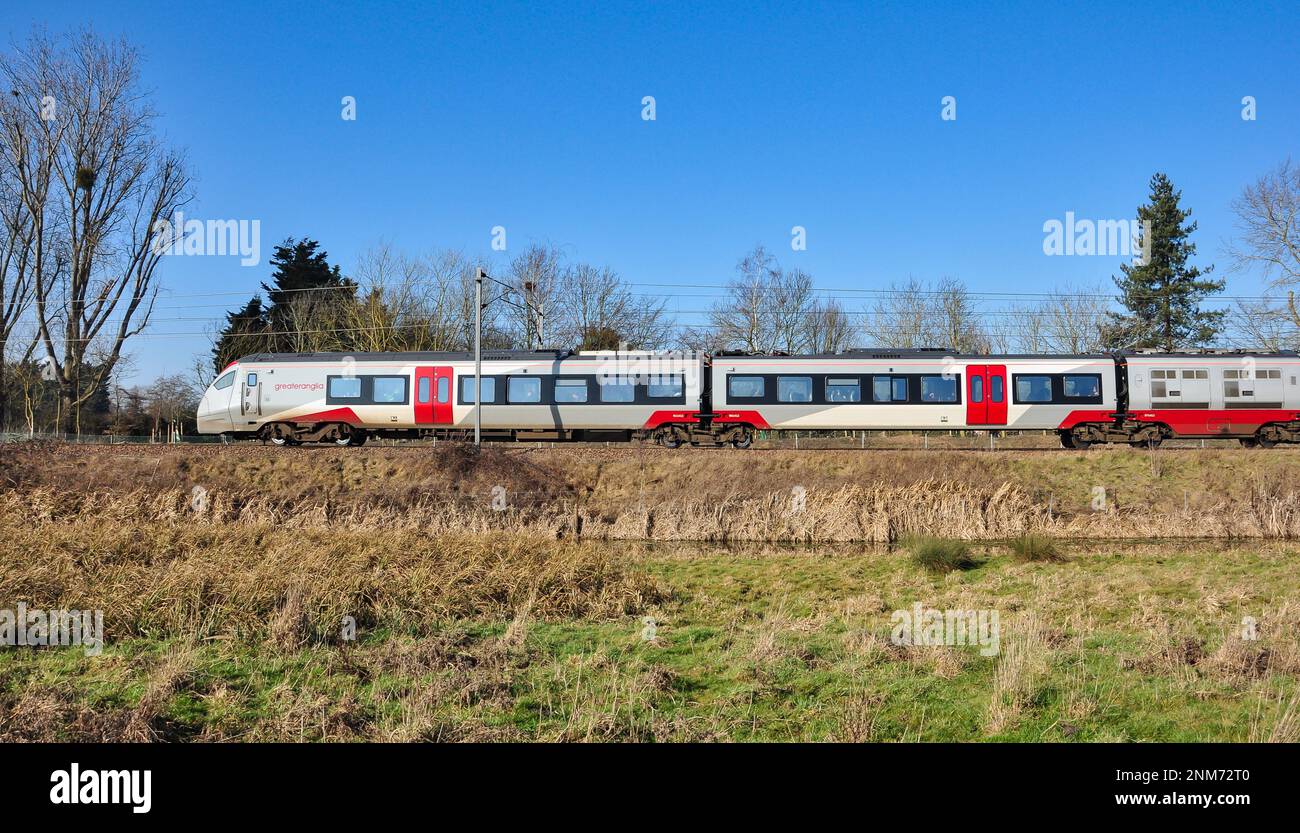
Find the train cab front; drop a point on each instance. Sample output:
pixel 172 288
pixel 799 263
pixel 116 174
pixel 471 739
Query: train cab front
pixel 214 411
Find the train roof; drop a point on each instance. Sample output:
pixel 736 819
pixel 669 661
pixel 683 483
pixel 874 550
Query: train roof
pixel 882 353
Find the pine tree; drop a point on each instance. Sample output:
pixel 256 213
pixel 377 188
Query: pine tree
pixel 1163 295
pixel 245 333
pixel 300 269
pixel 295 307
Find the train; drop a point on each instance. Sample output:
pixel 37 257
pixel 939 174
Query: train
pixel 677 399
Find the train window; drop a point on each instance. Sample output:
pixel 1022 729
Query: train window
pixel 389 390
pixel 880 388
pixel 1270 374
pixel 524 389
pixel 570 390
pixel 1196 374
pixel 422 391
pixel 665 387
pixel 1082 387
pixel 1158 390
pixel 939 388
pixel 225 381
pixel 996 392
pixel 444 389
pixel 794 388
pixel 1232 389
pixel 345 387
pixel 843 390
pixel 1033 388
pixel 977 389
pixel 617 389
pixel 251 381
pixel 467 390
pixel 746 387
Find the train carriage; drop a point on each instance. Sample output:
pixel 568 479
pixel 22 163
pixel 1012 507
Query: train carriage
pixel 344 398
pixel 909 390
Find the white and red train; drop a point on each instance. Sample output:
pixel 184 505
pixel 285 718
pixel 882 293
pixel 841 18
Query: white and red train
pixel 1138 398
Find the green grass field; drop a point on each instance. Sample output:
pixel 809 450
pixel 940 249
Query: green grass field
pixel 1115 643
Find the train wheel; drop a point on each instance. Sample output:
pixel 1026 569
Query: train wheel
pixel 1149 442
pixel 1265 442
pixel 1249 442
pixel 670 438
pixel 277 438
pixel 746 440
pixel 1067 440
pixel 357 438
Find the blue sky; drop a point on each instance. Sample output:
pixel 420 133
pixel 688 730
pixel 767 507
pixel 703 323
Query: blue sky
pixel 769 115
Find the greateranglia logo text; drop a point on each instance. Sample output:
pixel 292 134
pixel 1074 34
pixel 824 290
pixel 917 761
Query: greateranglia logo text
pixel 108 786
pixel 36 628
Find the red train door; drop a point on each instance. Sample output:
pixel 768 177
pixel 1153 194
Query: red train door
pixel 986 394
pixel 977 395
pixel 433 395
pixel 995 386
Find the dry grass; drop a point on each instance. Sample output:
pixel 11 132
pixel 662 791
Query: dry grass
pixel 639 493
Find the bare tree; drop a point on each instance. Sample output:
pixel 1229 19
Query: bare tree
pixel 597 310
pixel 828 328
pixel 1256 325
pixel 535 276
pixel 16 236
pixel 93 176
pixel 901 317
pixel 912 315
pixel 1268 216
pixel 1073 320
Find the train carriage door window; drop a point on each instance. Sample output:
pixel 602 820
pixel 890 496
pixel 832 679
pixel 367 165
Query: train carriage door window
pixel 344 387
pixel 666 387
pixel 1033 389
pixel 617 389
pixel 444 390
pixel 843 390
pixel 422 391
pixel 524 390
pixel 998 389
pixel 794 388
pixel 252 380
pixel 467 390
pixel 570 391
pixel 745 387
pixel 977 390
pixel 939 389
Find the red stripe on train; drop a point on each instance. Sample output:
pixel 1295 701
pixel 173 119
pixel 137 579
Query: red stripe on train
pixel 336 415
pixel 660 418
pixel 1193 422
